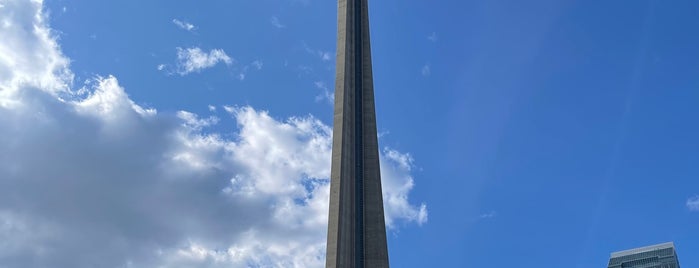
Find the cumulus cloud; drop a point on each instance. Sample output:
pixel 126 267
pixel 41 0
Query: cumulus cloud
pixel 29 56
pixel 184 25
pixel 194 59
pixel 397 182
pixel 693 203
pixel 98 180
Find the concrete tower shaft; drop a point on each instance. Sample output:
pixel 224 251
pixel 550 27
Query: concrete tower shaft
pixel 356 227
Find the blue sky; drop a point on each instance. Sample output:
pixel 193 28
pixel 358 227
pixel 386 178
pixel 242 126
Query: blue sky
pixel 512 133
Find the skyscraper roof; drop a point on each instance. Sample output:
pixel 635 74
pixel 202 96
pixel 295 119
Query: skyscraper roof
pixel 642 249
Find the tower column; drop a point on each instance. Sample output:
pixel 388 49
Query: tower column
pixel 356 226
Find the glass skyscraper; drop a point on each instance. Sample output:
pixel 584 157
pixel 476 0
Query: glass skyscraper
pixel 656 256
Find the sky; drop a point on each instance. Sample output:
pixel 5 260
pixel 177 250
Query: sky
pixel 198 133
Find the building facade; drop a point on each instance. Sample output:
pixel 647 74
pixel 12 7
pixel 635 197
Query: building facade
pixel 655 256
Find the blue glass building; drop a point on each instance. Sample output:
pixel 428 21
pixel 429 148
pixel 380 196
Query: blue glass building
pixel 656 256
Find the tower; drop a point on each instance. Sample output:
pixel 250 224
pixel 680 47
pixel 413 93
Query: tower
pixel 356 228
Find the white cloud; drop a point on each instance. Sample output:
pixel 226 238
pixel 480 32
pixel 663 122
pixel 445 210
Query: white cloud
pixel 257 64
pixel 432 37
pixel 326 94
pixel 161 67
pixel 212 108
pixel 488 215
pixel 383 133
pixel 154 189
pixel 397 183
pixel 193 121
pixel 29 56
pixel 304 70
pixel 184 25
pixel 426 71
pixel 323 55
pixel 194 59
pixel 693 203
pixel 275 22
